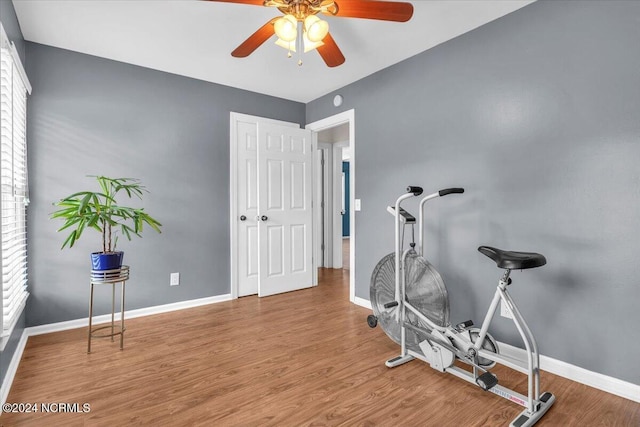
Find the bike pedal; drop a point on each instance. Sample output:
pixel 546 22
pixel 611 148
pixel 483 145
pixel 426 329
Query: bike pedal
pixel 487 381
pixel 464 325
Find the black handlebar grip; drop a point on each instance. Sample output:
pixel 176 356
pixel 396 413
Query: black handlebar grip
pixel 450 190
pixel 391 304
pixel 415 190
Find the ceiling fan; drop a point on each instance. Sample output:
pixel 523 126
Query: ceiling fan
pixel 300 29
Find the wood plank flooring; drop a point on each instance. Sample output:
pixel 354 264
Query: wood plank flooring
pixel 305 358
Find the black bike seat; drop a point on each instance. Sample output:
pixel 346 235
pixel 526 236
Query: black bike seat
pixel 513 260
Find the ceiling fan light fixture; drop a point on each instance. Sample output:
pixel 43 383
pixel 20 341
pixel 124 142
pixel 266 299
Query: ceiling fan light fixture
pixel 301 29
pixel 315 28
pixel 286 28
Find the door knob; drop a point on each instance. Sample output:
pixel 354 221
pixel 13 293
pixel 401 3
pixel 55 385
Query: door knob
pixel 243 218
pixel 264 217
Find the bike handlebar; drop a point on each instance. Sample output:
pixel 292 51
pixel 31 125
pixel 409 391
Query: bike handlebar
pixel 450 191
pixel 415 190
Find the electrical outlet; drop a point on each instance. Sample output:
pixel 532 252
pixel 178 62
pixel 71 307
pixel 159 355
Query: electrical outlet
pixel 504 310
pixel 175 279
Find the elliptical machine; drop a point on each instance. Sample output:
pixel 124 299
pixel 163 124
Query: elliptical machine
pixel 410 301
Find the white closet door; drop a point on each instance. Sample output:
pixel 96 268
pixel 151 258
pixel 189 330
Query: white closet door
pixel 247 207
pixel 284 209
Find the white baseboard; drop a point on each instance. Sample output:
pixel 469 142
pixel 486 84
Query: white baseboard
pixel 580 375
pixel 13 368
pixel 362 302
pixel 81 323
pixel 129 314
pixel 566 370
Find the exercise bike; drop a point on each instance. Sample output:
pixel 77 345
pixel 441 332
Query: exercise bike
pixel 410 301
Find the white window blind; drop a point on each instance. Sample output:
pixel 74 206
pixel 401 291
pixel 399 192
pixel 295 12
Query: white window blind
pixel 14 187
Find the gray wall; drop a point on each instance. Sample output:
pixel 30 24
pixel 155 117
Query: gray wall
pixel 12 28
pixel 537 116
pixel 92 116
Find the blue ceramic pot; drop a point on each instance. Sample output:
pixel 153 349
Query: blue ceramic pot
pixel 108 261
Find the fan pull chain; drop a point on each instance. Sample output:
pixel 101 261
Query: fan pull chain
pixel 299 42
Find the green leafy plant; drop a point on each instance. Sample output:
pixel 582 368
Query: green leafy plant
pixel 99 210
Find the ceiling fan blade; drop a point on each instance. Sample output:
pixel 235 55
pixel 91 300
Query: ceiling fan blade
pixel 330 52
pixel 253 2
pixel 255 40
pixel 381 10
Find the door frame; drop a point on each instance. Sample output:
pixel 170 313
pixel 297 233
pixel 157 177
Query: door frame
pixel 334 216
pixel 234 118
pixel 322 204
pixel 320 125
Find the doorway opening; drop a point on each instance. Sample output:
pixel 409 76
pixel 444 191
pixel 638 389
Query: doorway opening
pixel 334 228
pixel 335 159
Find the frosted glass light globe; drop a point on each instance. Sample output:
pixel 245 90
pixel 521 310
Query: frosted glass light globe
pixel 316 28
pixel 286 28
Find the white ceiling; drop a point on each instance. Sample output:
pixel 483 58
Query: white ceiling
pixel 195 38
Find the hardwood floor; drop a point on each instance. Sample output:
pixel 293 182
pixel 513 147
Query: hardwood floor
pixel 302 358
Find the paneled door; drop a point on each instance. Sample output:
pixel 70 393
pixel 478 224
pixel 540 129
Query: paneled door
pixel 284 209
pixel 272 224
pixel 246 242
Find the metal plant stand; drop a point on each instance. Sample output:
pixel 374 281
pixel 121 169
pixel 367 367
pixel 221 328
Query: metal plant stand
pixel 109 277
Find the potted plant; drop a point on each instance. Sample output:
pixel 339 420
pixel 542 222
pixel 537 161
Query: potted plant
pixel 100 211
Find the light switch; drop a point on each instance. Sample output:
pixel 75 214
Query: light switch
pixel 357 205
pixel 174 279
